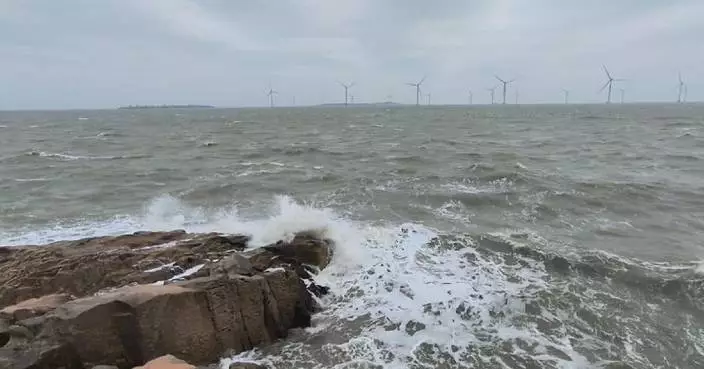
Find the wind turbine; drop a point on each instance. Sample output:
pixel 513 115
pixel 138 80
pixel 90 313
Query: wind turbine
pixel 417 86
pixel 623 93
pixel 492 91
pixel 346 87
pixel 516 96
pixel 567 95
pixel 609 84
pixel 471 97
pixel 680 91
pixel 505 83
pixel 271 94
pixel 428 98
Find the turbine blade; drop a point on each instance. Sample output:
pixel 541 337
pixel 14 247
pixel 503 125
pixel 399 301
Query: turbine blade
pixel 499 78
pixel 411 84
pixel 605 85
pixel 607 72
pixel 422 80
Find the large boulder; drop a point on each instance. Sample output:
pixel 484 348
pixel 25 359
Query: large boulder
pixel 135 323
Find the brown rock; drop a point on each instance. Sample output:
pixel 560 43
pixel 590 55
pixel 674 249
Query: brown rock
pixel 235 304
pixel 166 362
pixel 306 248
pixel 40 355
pixel 105 367
pixel 84 267
pixel 34 307
pixel 232 265
pixel 133 323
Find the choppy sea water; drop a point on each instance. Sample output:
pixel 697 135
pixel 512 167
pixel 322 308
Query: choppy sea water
pixel 467 237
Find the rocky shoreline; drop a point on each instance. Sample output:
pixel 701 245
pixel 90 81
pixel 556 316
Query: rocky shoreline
pixel 153 299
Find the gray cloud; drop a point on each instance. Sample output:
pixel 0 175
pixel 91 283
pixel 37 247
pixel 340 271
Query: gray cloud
pixel 83 53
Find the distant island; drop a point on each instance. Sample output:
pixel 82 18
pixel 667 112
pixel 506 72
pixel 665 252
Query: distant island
pixel 166 107
pixel 383 103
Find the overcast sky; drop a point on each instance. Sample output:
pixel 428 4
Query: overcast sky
pixel 101 54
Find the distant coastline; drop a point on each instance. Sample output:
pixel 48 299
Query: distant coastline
pixel 383 103
pixel 166 107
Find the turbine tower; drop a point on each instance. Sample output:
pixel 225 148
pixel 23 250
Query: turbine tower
pixel 428 98
pixel 567 96
pixel 271 94
pixel 684 97
pixel 492 91
pixel 346 87
pixel 471 97
pixel 417 86
pixel 623 93
pixel 681 89
pixel 609 83
pixel 505 83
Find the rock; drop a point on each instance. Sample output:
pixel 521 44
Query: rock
pixel 240 365
pixel 254 310
pixel 166 362
pixel 40 355
pixel 232 265
pixel 135 323
pixel 105 367
pixel 234 302
pixel 305 248
pixel 84 267
pixel 34 307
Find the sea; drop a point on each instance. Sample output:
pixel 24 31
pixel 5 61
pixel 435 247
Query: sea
pixel 516 236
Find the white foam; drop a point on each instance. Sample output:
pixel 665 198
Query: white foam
pixel 188 272
pixel 699 269
pixel 161 267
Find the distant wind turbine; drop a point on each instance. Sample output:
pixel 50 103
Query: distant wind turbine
pixel 567 95
pixel 492 91
pixel 681 89
pixel 471 97
pixel 609 84
pixel 428 98
pixel 516 97
pixel 346 87
pixel 623 93
pixel 271 94
pixel 417 86
pixel 505 83
pixel 352 99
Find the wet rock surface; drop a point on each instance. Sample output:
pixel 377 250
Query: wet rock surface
pixel 123 301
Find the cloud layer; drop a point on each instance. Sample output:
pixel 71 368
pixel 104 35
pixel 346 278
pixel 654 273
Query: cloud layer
pixel 88 54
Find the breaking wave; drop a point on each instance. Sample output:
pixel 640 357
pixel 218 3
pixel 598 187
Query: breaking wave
pixel 404 295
